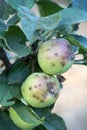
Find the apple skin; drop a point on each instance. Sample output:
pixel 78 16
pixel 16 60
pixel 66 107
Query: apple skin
pixel 40 90
pixel 55 56
pixel 18 121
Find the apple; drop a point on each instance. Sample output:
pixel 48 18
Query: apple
pixel 40 90
pixel 18 121
pixel 55 56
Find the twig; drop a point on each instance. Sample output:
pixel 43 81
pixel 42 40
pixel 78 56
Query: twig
pixel 5 59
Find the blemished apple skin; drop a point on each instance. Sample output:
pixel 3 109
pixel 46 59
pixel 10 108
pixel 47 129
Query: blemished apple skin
pixel 55 56
pixel 40 90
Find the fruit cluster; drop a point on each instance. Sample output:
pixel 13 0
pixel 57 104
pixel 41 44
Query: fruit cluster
pixel 42 89
pixel 54 57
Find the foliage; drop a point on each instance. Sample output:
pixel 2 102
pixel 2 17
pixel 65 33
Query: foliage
pixel 21 33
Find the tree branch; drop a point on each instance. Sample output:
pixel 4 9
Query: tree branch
pixel 5 59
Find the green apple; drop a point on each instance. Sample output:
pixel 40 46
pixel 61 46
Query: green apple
pixel 40 90
pixel 18 121
pixel 55 56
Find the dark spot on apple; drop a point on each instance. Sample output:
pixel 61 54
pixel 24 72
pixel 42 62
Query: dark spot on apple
pixel 39 85
pixel 62 63
pixel 45 77
pixel 56 54
pixel 35 86
pixel 64 57
pixel 37 97
pixel 34 96
pixel 52 91
pixel 41 101
pixel 50 87
pixel 53 64
pixel 30 88
pixel 49 84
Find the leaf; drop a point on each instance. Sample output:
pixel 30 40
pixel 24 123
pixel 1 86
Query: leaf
pixel 82 40
pixel 27 114
pixel 16 41
pixel 15 4
pixel 75 48
pixel 40 127
pixel 44 22
pixel 7 92
pixel 78 40
pixel 51 120
pixel 6 123
pixel 44 112
pixel 54 122
pixel 5 10
pixel 3 43
pixel 2 25
pixel 30 23
pixel 13 20
pixel 47 7
pixel 82 4
pixel 18 73
pixel 72 16
pixel 81 62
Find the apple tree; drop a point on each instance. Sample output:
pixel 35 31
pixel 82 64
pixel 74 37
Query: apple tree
pixel 34 51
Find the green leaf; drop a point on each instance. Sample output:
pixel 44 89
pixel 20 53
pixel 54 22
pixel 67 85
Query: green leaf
pixel 82 40
pixel 27 114
pixel 15 4
pixel 44 22
pixel 47 7
pixel 72 16
pixel 54 122
pixel 78 40
pixel 2 25
pixel 82 4
pixel 81 62
pixel 44 112
pixel 75 48
pixel 6 123
pixel 16 41
pixel 51 120
pixel 3 43
pixel 18 73
pixel 31 23
pixel 28 22
pixel 7 92
pixel 13 20
pixel 40 127
pixel 5 10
